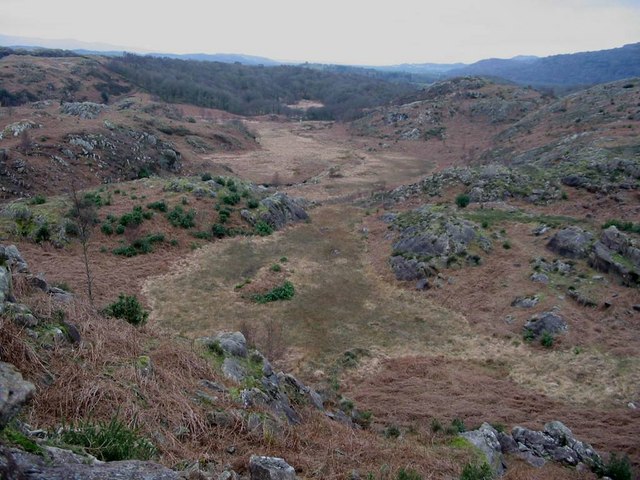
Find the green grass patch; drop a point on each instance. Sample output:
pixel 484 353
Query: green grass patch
pixel 286 291
pixel 109 441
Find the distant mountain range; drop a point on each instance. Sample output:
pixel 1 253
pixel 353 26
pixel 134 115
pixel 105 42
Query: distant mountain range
pixel 567 70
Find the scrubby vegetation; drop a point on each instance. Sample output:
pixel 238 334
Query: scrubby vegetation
pixel 128 308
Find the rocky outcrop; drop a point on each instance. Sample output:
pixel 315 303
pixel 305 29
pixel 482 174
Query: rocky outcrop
pixel 545 323
pixel 277 211
pixel 555 443
pixel 16 129
pixel 56 464
pixel 84 110
pixel 485 439
pixel 15 392
pixel 429 240
pixel 270 468
pixel 571 242
pixel 617 253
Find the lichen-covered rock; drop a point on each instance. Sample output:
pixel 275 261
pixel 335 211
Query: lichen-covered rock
pixel 430 240
pixel 16 129
pixel 486 440
pixel 84 110
pixel 278 210
pixel 619 254
pixel 547 322
pixel 11 257
pixel 232 343
pixel 571 242
pixel 14 392
pixel 270 468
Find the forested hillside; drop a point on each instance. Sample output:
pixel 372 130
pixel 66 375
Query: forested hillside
pixel 257 90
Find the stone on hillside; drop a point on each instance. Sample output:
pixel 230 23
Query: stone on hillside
pixel 233 370
pixel 547 322
pixel 571 242
pixel 27 466
pixel 84 110
pixel 486 440
pixel 525 302
pixel 232 343
pixel 619 254
pixel 21 315
pixel 13 259
pixel 278 210
pixel 407 268
pixel 270 468
pixel 15 129
pixel 14 392
pixel 6 290
pixel 539 278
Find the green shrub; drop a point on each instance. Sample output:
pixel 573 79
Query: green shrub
pixel 218 230
pixel 458 424
pixel 547 340
pixel 42 233
pixel 120 229
pixel 179 218
pixel 618 468
pixel 391 432
pixel 252 203
pixel 132 218
pixel 94 198
pixel 476 472
pixel 408 475
pixel 276 268
pixel 462 200
pixel 107 228
pixel 160 206
pixel 263 229
pixel 205 177
pixel 139 246
pixel 285 291
pixel 506 245
pixel 38 200
pixel 230 199
pixel 224 214
pixel 109 441
pixel 127 308
pixel 436 426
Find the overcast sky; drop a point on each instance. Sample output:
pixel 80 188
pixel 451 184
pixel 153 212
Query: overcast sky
pixel 335 31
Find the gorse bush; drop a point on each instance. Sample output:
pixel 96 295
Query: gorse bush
pixel 179 218
pixel 286 291
pixel 128 308
pixel 618 468
pixel 109 441
pixel 160 206
pixel 462 200
pixel 263 229
pixel 408 474
pixel 139 246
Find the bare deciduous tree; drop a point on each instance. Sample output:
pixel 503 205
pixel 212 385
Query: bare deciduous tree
pixel 84 214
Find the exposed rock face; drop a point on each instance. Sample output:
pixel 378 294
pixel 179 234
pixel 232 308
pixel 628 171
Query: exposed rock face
pixel 14 392
pixel 619 254
pixel 233 343
pixel 555 443
pixel 571 242
pixel 19 465
pixel 547 322
pixel 486 440
pixel 430 240
pixel 278 210
pixel 15 129
pixel 270 468
pixel 84 110
pixel 12 258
